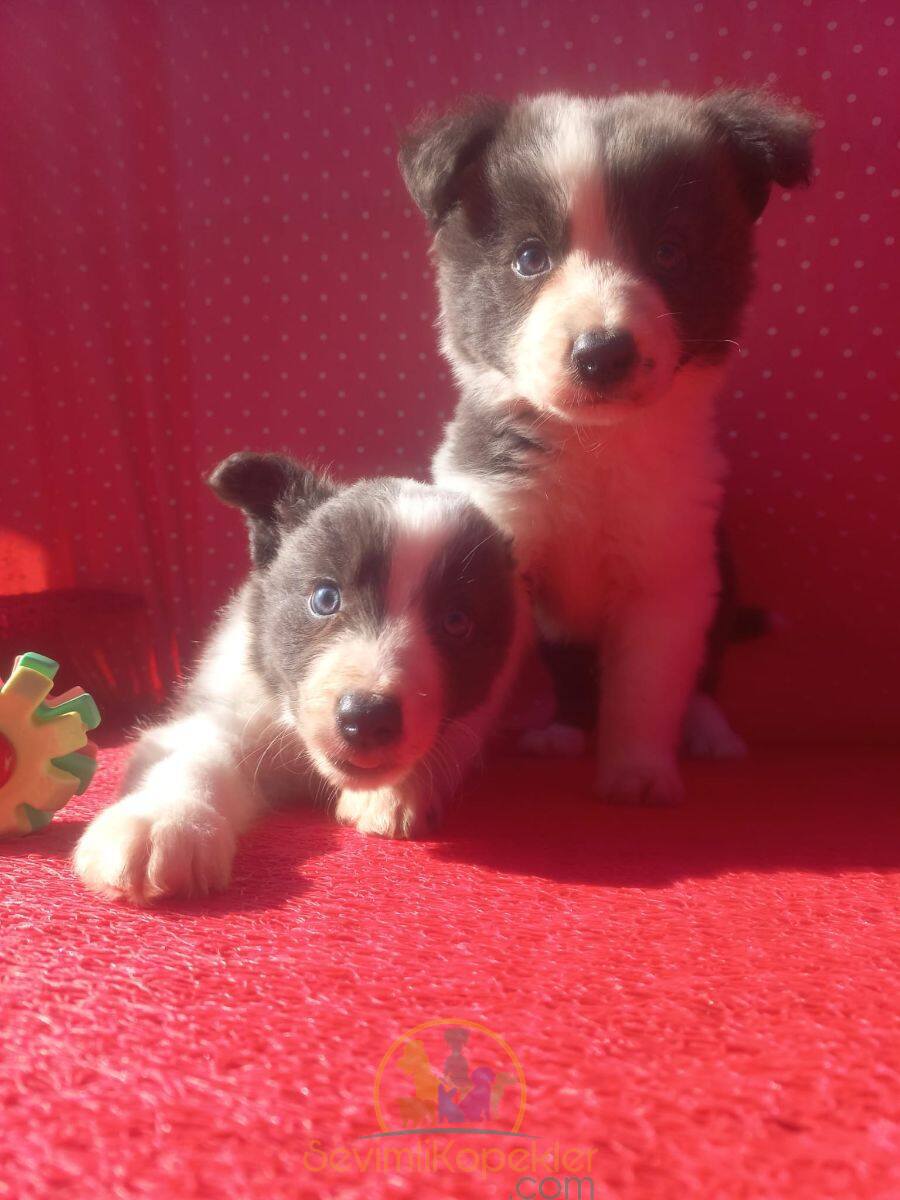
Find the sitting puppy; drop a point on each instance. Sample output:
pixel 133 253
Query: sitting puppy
pixel 593 259
pixel 365 657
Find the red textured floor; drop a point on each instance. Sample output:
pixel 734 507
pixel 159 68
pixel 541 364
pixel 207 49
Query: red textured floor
pixel 707 997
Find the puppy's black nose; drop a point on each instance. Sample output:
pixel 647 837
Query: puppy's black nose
pixel 603 357
pixel 366 721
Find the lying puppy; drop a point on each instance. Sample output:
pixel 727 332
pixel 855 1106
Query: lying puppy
pixel 593 261
pixel 364 659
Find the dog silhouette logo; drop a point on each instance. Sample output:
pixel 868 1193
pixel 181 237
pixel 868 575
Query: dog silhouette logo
pixel 448 1076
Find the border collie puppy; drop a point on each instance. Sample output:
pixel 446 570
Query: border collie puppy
pixel 364 659
pixel 593 259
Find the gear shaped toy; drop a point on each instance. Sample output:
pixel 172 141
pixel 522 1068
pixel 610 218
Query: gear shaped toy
pixel 45 755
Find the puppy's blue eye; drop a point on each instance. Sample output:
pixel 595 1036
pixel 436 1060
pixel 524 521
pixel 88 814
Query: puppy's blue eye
pixel 457 624
pixel 531 258
pixel 325 600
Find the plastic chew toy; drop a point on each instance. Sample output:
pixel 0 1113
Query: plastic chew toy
pixel 45 756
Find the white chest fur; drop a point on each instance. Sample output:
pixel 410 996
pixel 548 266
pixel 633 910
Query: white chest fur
pixel 610 512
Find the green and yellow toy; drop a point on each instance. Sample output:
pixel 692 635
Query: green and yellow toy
pixel 45 755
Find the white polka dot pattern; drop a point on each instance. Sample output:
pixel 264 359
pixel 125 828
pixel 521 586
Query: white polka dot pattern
pixel 206 245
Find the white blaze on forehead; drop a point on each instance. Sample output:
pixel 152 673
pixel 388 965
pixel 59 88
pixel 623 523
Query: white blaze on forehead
pixel 588 229
pixel 424 520
pixel 571 148
pixel 572 155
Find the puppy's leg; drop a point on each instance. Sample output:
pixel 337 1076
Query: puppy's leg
pixel 175 830
pixel 651 654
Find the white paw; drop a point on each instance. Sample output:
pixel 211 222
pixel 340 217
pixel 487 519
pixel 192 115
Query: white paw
pixel 140 850
pixel 554 741
pixel 640 781
pixel 387 812
pixel 706 732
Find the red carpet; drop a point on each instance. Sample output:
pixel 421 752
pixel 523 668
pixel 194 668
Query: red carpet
pixel 705 997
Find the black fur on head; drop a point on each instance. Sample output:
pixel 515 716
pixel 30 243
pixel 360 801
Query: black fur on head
pixel 769 141
pixel 439 151
pixel 275 494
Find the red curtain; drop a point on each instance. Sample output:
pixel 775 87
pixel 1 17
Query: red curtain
pixel 206 245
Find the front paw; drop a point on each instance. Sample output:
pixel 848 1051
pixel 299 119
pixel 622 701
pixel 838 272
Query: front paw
pixel 141 850
pixel 640 780
pixel 388 812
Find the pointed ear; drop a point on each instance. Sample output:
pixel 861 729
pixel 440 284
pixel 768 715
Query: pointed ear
pixel 770 141
pixel 438 152
pixel 275 494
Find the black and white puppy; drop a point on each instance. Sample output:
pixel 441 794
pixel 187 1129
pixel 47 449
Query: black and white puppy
pixel 363 660
pixel 594 257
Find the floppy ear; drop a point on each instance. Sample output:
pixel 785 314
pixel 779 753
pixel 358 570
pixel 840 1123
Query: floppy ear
pixel 275 494
pixel 437 153
pixel 770 142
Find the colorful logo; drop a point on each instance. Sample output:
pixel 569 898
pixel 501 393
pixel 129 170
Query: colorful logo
pixel 450 1076
pixel 461 1086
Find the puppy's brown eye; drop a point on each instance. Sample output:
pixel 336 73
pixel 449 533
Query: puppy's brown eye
pixel 669 255
pixel 531 258
pixel 457 624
